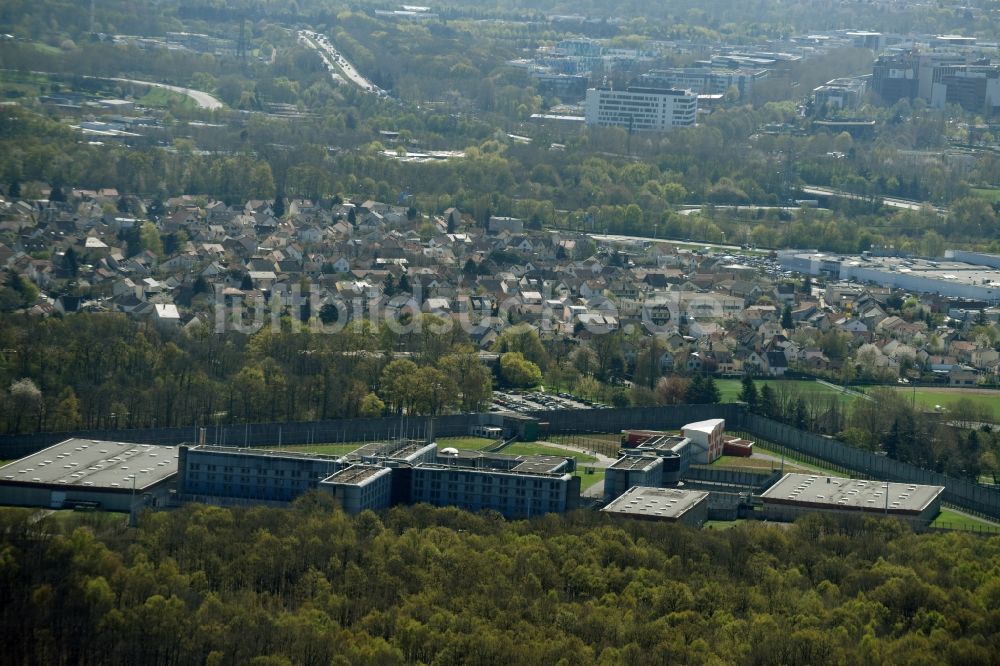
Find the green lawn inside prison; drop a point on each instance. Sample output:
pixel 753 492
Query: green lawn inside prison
pixel 529 449
pixel 954 520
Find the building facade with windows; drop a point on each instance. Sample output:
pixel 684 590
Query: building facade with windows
pixel 513 494
pixel 704 80
pixel 641 109
pixel 251 474
pixel 379 475
pixel 360 487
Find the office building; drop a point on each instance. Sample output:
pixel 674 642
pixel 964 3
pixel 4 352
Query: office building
pixel 798 494
pixel 839 94
pixel 910 74
pixel 976 88
pixel 671 505
pixel 565 87
pixel 114 476
pixel 704 80
pixel 641 109
pixel 866 39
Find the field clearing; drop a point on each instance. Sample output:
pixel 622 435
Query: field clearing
pixel 985 399
pixel 166 98
pixel 571 440
pixel 729 389
pixel 759 463
pixel 988 193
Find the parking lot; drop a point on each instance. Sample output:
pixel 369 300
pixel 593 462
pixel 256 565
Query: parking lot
pixel 524 401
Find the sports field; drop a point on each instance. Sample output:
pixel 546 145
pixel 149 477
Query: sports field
pixel 929 398
pixel 729 389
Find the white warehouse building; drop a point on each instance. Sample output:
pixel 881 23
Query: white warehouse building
pixel 649 109
pixel 947 277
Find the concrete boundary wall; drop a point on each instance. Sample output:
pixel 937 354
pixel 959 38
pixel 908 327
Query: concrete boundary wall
pixel 959 492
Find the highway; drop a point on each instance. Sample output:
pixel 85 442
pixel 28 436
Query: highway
pixel 892 202
pixel 336 63
pixel 203 99
pixel 620 238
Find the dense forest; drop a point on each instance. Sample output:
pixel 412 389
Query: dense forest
pixel 308 585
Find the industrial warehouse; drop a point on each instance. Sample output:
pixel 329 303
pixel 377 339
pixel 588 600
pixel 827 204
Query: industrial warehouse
pixel 658 475
pixel 960 274
pixel 797 494
pixel 86 473
pixel 671 505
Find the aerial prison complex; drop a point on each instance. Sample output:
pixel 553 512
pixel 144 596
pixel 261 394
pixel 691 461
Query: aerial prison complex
pixel 660 476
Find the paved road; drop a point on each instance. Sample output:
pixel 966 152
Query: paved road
pixel 602 460
pixel 620 238
pixel 691 210
pixel 336 61
pixel 892 202
pixel 203 99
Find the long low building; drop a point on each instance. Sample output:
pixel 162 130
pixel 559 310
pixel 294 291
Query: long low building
pixel 383 474
pixel 114 476
pixel 798 494
pixel 946 277
pixel 672 505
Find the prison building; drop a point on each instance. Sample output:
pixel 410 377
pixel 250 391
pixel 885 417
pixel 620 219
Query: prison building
pixel 798 494
pixel 359 488
pixel 706 440
pixel 675 451
pixel 672 505
pixel 516 494
pixel 214 473
pixel 409 451
pixel 632 470
pixel 91 473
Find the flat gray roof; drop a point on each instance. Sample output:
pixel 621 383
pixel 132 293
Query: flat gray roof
pixel 491 470
pixel 666 503
pixel 537 466
pixel 822 491
pixel 356 474
pixel 398 449
pixel 635 462
pixel 489 460
pixel 270 453
pixel 94 463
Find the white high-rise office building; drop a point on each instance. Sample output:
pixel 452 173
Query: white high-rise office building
pixel 637 109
